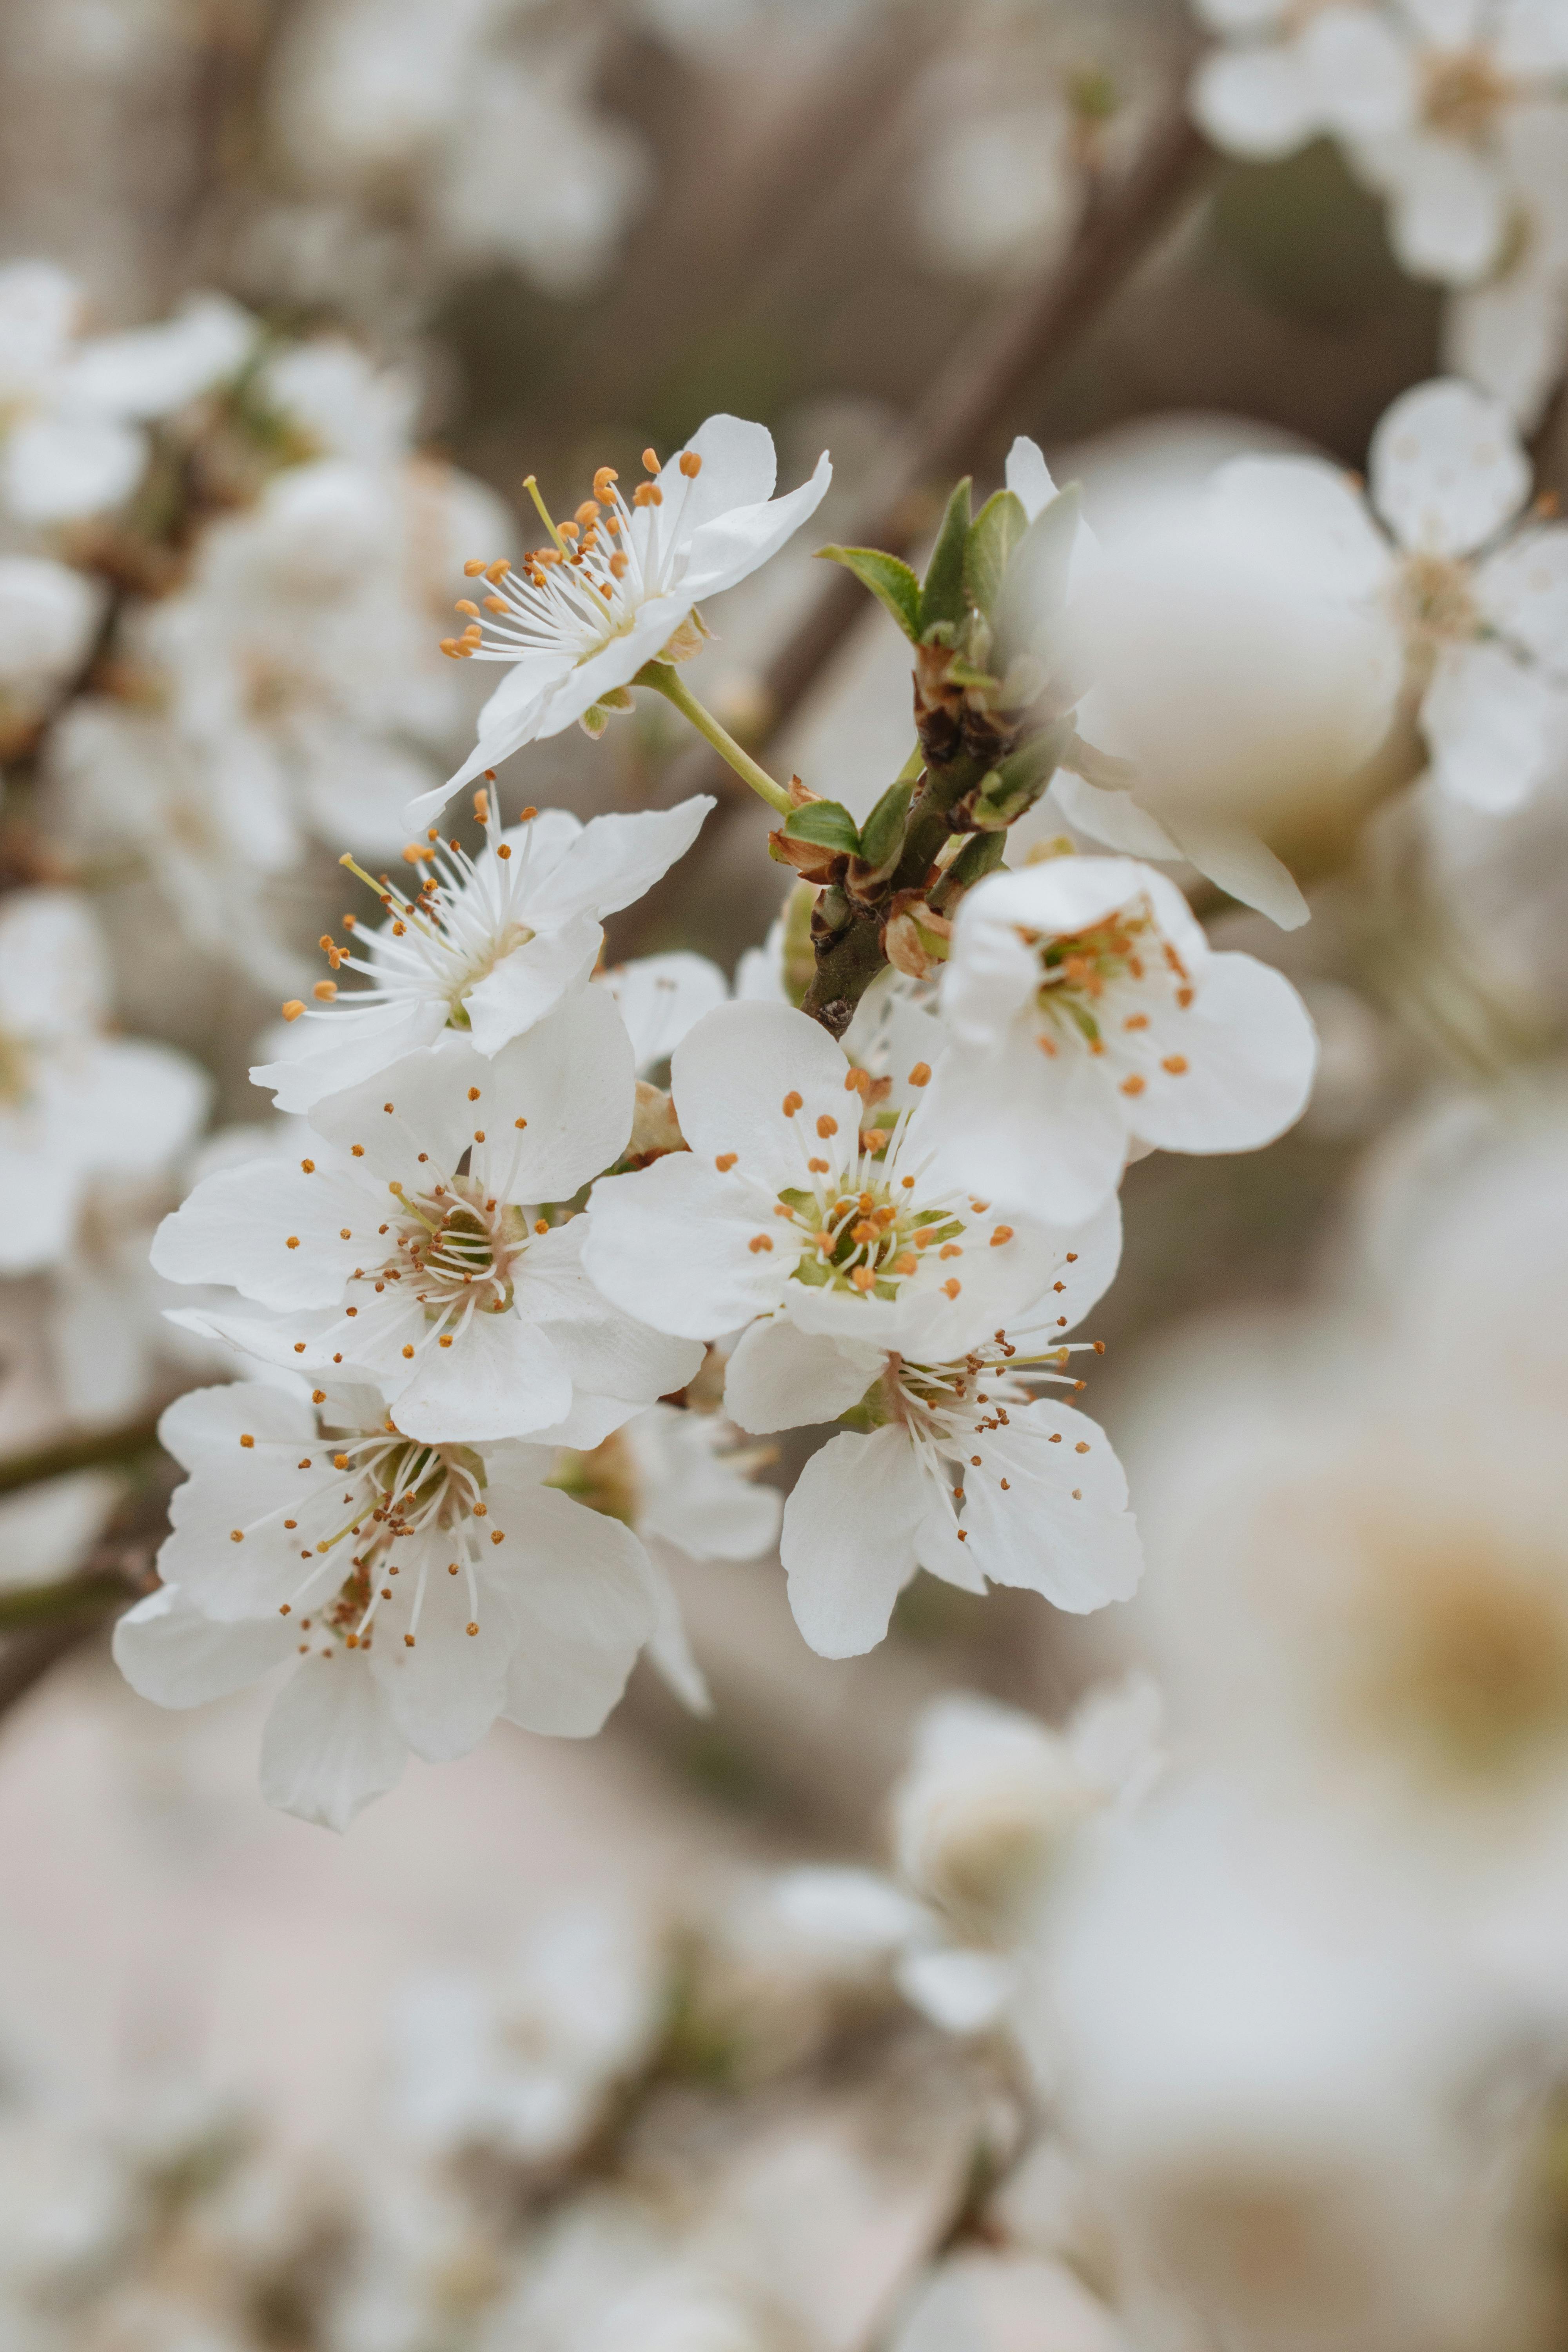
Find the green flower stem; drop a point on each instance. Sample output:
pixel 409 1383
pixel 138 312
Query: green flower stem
pixel 664 679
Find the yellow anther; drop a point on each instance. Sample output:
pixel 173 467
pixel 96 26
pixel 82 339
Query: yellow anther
pixel 293 1010
pixel 921 1075
pixel 650 461
pixel 472 569
pixel 690 464
pixel 324 991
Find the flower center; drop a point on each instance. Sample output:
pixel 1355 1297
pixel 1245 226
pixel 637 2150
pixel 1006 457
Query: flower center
pixel 382 1489
pixel 1436 603
pixel 587 586
pixel 872 1239
pixel 456 1247
pixel 1463 93
pixel 1082 971
pixel 1472 1652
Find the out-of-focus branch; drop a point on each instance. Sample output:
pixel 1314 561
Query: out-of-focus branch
pixel 42 1624
pixel 971 396
pixel 968 402
pixel 99 1449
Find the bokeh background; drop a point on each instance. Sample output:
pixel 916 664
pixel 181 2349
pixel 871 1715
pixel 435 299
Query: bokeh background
pixel 249 2071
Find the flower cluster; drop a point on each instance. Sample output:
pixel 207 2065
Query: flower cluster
pixel 1456 113
pixel 494 1247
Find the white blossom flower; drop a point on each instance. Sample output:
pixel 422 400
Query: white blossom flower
pixel 524 2065
pixel 1424 94
pixel 1475 68
pixel 488 946
pixel 1293 73
pixel 339 403
pixel 965 1471
pixel 475 1591
pixel 1481 596
pixel 577 621
pixel 72 411
pixel 1090 1011
pixel 383 1251
pixel 662 997
pixel 75 1104
pixel 128 786
pixel 297 660
pixel 795 1199
pixel 680 1481
pixel 1510 333
pixel 984 1818
pixel 1144 643
pixel 47 617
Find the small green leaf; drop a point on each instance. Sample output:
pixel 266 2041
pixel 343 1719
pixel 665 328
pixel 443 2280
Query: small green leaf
pixel 962 673
pixel 882 835
pixel 827 824
pixel 993 535
pixel 941 596
pixel 1035 593
pixel 1017 784
pixel 982 854
pixel 890 581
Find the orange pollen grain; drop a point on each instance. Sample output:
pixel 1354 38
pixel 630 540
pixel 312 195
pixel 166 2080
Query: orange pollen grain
pixel 1003 1233
pixel 1176 1064
pixel 791 1103
pixel 1132 1086
pixel 826 1126
pixel 725 1160
pixel 952 1286
pixel 759 1242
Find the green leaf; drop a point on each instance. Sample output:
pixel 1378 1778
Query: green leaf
pixel 1034 591
pixel 882 835
pixel 993 535
pixel 941 596
pixel 982 854
pixel 827 824
pixel 890 581
pixel 1017 784
pixel 962 673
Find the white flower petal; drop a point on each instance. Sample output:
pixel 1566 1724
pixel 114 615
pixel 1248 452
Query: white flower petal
pixel 848 1542
pixel 1062 1529
pixel 275 1233
pixel 731 1075
pixel 672 1245
pixel 732 546
pixel 500 1378
pixel 781 1377
pixel 1251 1054
pixel 670 1649
pixel 1318 513
pixel 1258 102
pixel 56 468
pixel 1119 819
pixel 171 1654
pixel 1362 73
pixel 1244 866
pixel 446 1691
pixel 1490 725
pixel 1523 591
pixel 1447 469
pixel 616 859
pixel 331 1743
pixel 1448 207
pixel 528 984
pixel 1028 477
pixel 662 998
pixel 587 1603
